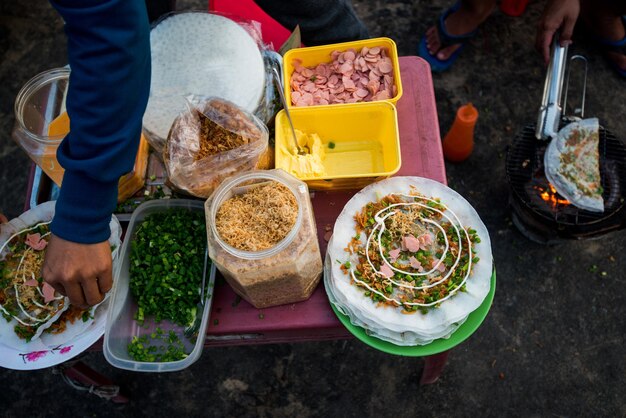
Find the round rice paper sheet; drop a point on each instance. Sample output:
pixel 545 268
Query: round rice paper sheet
pixel 44 341
pixel 197 53
pixel 373 328
pixel 451 312
pixel 407 338
pixel 442 331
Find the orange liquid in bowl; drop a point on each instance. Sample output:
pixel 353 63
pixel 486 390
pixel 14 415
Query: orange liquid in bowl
pixel 60 126
pixel 129 183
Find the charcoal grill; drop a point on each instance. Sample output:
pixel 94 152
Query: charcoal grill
pixel 538 211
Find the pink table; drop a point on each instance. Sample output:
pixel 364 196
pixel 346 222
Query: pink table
pixel 235 322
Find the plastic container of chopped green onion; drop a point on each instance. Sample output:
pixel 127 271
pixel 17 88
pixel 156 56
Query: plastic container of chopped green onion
pixel 163 289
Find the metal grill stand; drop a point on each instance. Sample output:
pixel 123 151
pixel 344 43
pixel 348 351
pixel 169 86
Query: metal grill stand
pixel 556 220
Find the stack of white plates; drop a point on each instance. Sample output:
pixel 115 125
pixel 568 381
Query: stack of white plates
pixel 390 323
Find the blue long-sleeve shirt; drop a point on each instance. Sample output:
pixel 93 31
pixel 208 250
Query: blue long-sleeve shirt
pixel 109 57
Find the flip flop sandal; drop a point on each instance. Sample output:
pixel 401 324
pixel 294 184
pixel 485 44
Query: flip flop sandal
pixel 614 46
pixel 446 39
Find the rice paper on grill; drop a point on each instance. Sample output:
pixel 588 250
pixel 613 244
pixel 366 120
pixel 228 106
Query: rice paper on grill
pixel 40 314
pixel 572 164
pixel 390 305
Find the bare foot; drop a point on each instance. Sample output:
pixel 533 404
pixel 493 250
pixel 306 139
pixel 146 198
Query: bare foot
pixel 460 22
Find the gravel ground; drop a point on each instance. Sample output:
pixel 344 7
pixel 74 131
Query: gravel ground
pixel 552 345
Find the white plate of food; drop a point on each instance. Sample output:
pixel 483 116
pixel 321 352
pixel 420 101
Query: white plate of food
pixel 410 259
pixel 39 328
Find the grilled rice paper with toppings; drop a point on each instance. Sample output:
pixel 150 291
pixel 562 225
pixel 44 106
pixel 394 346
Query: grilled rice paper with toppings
pixel 410 260
pixel 572 164
pixel 35 316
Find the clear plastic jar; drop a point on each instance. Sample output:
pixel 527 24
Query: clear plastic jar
pixel 40 101
pixel 41 123
pixel 285 273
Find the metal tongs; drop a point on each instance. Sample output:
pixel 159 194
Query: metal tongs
pixel 551 110
pixel 279 87
pixel 191 331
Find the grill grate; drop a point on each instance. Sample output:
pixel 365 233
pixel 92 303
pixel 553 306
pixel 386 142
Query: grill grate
pixel 525 172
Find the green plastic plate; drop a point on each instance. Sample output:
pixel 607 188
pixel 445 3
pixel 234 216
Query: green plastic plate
pixel 438 346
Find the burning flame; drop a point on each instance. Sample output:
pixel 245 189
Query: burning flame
pixel 550 195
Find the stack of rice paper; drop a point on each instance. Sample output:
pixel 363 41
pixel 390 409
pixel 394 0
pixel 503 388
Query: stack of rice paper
pixel 203 54
pixel 34 316
pixel 408 261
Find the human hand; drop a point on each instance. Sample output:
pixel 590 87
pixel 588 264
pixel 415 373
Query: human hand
pixel 3 219
pixel 81 272
pixel 558 14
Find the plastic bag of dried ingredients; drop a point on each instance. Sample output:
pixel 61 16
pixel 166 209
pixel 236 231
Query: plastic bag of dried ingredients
pixel 211 141
pixel 195 52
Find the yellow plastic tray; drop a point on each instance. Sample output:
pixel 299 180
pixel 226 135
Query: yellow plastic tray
pixel 365 138
pixel 312 56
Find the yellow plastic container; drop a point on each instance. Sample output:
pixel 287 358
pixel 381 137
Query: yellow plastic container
pixel 360 142
pixel 312 56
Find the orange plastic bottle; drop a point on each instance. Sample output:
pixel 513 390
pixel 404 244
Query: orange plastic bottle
pixel 459 141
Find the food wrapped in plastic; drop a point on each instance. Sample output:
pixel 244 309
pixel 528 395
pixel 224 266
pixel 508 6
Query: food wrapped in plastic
pixel 270 103
pixel 195 52
pixel 213 140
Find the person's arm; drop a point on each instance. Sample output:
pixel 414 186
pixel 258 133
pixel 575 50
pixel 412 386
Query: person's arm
pixel 557 15
pixel 109 57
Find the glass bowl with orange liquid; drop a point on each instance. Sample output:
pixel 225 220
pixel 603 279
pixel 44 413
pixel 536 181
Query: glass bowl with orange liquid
pixel 41 122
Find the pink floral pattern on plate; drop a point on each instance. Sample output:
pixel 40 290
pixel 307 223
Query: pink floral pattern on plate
pixel 36 355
